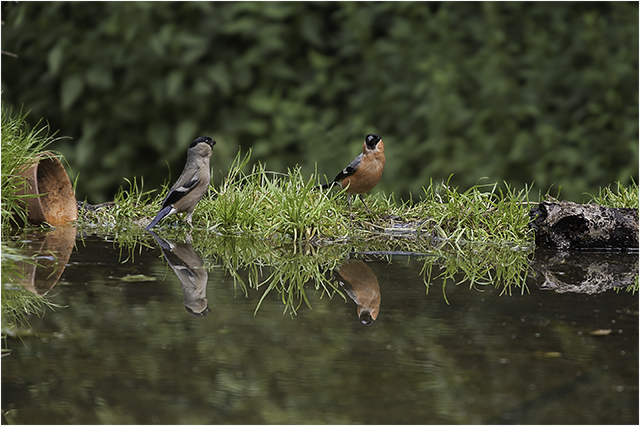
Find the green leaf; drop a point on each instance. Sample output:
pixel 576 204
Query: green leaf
pixel 54 59
pixel 219 75
pixel 174 83
pixel 157 135
pixel 186 131
pixel 71 90
pixel 99 77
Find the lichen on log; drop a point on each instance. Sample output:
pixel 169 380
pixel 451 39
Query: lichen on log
pixel 566 225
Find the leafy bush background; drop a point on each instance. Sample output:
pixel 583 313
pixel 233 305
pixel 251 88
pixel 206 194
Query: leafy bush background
pixel 522 92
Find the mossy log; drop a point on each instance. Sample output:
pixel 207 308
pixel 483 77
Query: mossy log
pixel 566 225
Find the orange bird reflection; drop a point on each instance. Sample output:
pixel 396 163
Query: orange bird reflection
pixel 361 284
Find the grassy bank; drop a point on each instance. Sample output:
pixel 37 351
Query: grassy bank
pixel 291 208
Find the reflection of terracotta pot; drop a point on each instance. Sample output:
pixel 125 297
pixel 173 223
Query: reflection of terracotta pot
pixel 58 204
pixel 52 254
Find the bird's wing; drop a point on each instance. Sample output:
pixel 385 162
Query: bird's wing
pixel 179 190
pixel 350 169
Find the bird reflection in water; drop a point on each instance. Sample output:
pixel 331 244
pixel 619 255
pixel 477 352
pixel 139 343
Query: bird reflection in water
pixel 190 270
pixel 361 284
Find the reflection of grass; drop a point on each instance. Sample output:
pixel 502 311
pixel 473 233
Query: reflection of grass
pixel 292 272
pixel 479 264
pixel 18 304
pixel 290 269
pixel 630 288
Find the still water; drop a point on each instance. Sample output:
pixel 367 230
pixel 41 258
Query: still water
pixel 173 339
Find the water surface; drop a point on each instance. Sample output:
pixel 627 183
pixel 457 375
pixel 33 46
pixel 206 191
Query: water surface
pixel 133 344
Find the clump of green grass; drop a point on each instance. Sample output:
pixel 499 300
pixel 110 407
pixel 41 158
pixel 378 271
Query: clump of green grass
pixel 128 210
pixel 624 196
pixel 271 205
pixel 483 213
pixel 20 147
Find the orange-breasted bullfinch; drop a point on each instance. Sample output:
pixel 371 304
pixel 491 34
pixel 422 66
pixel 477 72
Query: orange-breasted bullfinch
pixel 364 172
pixel 192 184
pixel 361 284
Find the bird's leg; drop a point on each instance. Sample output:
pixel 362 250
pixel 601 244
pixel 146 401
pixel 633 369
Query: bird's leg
pixel 189 218
pixel 365 204
pixel 349 200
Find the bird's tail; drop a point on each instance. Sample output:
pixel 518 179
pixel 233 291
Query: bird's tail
pixel 326 185
pixel 161 215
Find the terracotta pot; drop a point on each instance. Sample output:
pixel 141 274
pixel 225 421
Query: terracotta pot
pixel 57 205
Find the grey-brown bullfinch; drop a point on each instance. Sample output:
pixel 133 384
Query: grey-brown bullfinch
pixel 192 184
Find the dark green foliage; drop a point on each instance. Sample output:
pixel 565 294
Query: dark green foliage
pixel 520 92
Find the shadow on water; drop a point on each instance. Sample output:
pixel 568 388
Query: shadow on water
pixel 473 335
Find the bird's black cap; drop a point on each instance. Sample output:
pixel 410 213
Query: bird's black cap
pixel 372 140
pixel 203 139
pixel 366 318
pixel 204 313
